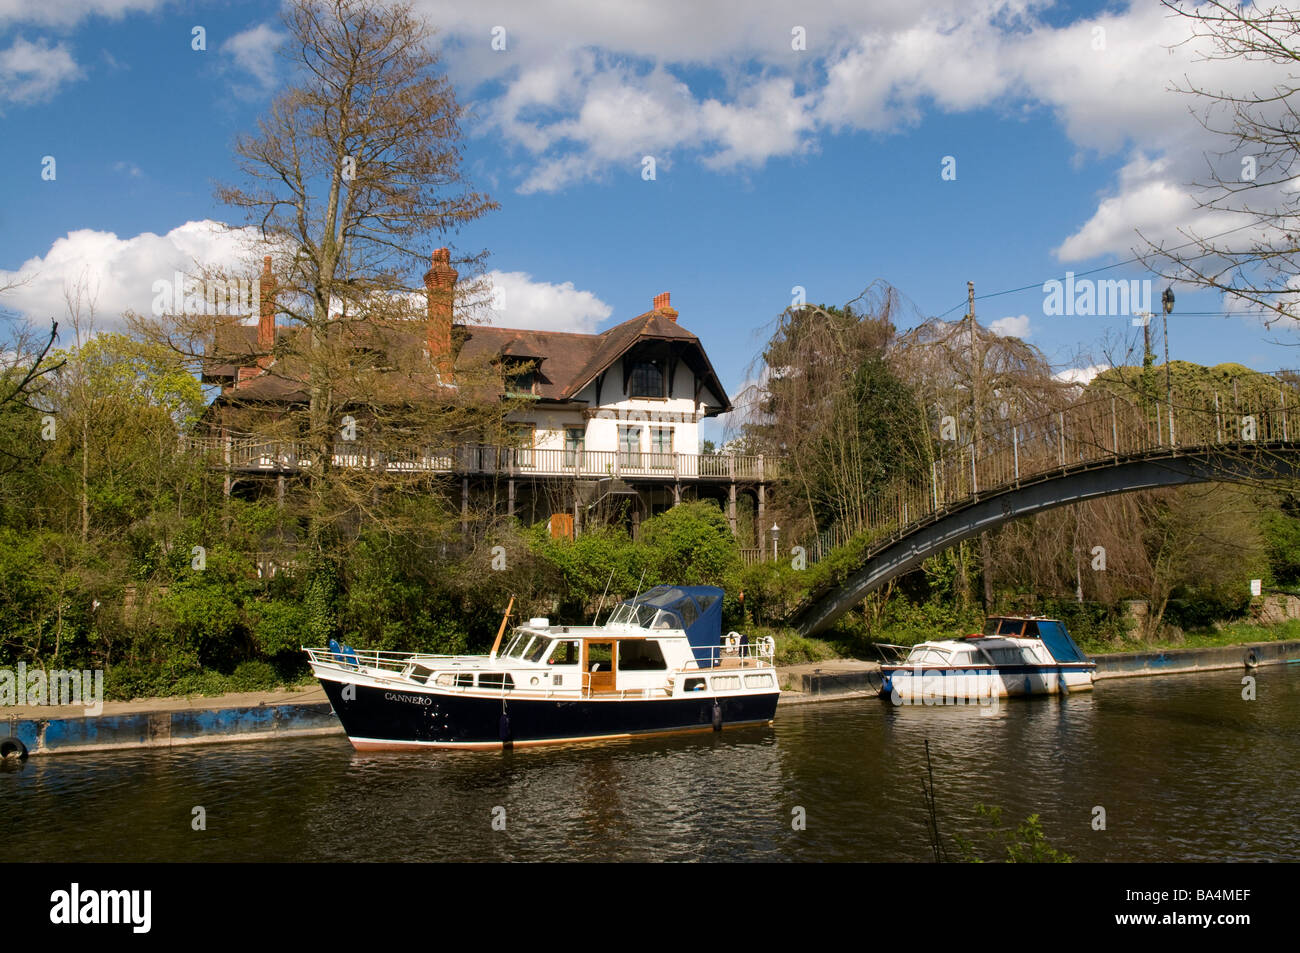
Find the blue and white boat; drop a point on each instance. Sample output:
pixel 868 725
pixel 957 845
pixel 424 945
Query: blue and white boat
pixel 659 665
pixel 1015 655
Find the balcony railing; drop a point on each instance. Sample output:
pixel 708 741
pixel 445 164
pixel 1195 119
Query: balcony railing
pixel 254 454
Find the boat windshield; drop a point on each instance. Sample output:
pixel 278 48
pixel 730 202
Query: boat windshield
pixel 537 650
pixel 526 645
pixel 646 617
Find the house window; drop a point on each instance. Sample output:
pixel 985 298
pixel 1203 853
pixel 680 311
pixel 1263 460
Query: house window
pixel 522 439
pixel 574 440
pixel 629 445
pixel 661 446
pixel 521 377
pixel 647 380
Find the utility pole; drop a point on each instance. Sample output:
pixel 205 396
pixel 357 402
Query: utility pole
pixel 976 386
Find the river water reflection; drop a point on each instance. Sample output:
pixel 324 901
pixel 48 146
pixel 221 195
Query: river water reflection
pixel 1185 768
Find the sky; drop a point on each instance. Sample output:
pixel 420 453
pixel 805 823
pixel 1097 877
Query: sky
pixel 805 149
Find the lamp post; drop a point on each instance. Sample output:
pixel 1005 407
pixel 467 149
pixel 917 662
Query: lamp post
pixel 1167 300
pixel 776 531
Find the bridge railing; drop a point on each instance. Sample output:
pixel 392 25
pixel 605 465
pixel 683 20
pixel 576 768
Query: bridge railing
pixel 1103 429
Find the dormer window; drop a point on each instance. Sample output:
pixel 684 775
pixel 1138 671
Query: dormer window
pixel 521 377
pixel 647 380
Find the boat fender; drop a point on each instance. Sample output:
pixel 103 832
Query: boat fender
pixel 12 748
pixel 717 715
pixel 504 725
pixel 1251 659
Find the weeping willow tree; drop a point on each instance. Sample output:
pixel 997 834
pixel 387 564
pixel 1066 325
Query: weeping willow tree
pixel 971 386
pixel 834 409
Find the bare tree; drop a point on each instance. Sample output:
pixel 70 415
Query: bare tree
pixel 1254 260
pixel 25 373
pixel 349 179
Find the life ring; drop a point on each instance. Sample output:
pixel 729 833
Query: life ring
pixel 1251 660
pixel 12 748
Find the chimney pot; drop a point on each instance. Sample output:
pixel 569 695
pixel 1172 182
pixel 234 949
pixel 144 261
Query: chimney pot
pixel 663 304
pixel 266 315
pixel 440 281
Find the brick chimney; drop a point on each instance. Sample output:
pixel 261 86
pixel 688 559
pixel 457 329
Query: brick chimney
pixel 440 281
pixel 266 319
pixel 663 305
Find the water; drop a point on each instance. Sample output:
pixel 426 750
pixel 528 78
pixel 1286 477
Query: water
pixel 1185 769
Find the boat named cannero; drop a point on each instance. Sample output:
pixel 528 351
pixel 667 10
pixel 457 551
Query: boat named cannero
pixel 659 665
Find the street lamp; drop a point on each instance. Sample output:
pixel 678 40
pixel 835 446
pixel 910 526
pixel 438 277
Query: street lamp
pixel 1167 300
pixel 776 531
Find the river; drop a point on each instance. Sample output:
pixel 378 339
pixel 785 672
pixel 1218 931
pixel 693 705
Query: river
pixel 1184 768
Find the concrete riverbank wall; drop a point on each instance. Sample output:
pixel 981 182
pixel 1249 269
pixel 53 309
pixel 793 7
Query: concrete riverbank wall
pixel 1183 661
pixel 164 729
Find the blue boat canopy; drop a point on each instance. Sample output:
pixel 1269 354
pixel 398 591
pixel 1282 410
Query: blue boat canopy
pixel 698 610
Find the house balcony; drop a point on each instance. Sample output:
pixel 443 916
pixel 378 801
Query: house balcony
pixel 248 455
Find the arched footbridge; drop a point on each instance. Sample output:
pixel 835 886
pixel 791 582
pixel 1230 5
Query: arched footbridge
pixel 1092 449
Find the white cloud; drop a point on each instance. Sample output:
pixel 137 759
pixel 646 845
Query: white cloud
pixel 119 273
pixel 1011 327
pixel 1080 375
pixel 34 72
pixel 70 12
pixel 254 51
pixel 520 302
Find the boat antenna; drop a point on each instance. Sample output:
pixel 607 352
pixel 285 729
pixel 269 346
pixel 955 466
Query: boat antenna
pixel 638 585
pixel 596 620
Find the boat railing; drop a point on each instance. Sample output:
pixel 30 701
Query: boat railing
pixel 733 653
pixel 383 661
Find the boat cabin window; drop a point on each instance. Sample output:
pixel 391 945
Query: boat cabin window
pixel 495 680
pixel 568 652
pixel 640 655
pixel 465 680
pixel 600 656
pixel 1006 656
pixel 694 685
pixel 758 681
pixel 1031 629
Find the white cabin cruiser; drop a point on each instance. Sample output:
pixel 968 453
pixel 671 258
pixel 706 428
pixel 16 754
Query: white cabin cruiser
pixel 659 665
pixel 1015 655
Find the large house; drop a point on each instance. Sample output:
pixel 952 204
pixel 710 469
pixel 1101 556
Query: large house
pixel 608 424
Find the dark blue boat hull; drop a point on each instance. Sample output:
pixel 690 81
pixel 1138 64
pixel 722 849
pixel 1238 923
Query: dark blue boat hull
pixel 392 718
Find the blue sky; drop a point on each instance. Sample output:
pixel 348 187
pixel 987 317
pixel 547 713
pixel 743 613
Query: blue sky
pixel 775 167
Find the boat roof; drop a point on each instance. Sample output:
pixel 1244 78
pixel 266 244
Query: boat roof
pixel 698 607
